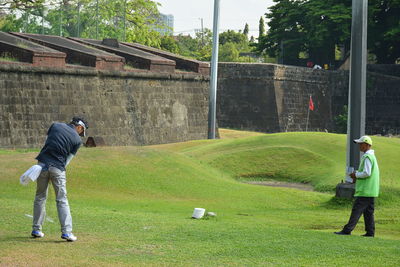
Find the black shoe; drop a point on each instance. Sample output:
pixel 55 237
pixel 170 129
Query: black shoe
pixel 367 235
pixel 341 233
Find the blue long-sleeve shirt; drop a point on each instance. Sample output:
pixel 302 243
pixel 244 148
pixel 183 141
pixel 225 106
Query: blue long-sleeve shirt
pixel 62 140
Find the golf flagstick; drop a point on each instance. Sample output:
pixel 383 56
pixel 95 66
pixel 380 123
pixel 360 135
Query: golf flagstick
pixel 310 107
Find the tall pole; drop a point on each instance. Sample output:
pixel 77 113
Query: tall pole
pixel 26 20
pixel 97 19
pixel 308 114
pixel 124 20
pixel 214 75
pixel 357 82
pixel 79 19
pixel 61 13
pixel 43 20
pixel 202 32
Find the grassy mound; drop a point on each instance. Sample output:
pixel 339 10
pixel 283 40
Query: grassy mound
pixel 132 205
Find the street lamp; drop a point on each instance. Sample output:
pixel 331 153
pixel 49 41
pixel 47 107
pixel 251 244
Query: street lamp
pixel 214 74
pixel 357 82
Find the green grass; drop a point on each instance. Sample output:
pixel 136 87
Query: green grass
pixel 131 206
pixel 7 57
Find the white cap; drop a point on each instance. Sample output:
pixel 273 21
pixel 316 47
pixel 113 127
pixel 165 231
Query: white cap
pixel 363 139
pixel 81 123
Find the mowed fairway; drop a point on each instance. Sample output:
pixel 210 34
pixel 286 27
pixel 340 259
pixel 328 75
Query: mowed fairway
pixel 131 206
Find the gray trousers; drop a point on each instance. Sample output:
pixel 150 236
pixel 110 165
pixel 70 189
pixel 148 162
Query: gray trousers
pixel 58 180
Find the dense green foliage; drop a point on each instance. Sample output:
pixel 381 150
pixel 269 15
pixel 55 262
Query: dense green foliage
pixel 246 30
pixel 231 44
pixel 384 30
pixel 130 20
pixel 20 3
pixel 261 28
pixel 317 27
pixel 341 121
pixel 132 205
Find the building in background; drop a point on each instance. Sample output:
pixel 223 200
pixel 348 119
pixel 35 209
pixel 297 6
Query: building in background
pixel 167 22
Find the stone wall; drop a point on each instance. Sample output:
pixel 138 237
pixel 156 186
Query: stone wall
pixel 386 69
pixel 124 108
pixel 274 98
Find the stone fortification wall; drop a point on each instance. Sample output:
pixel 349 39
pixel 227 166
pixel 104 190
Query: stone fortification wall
pixel 386 69
pixel 382 103
pixel 124 108
pixel 274 98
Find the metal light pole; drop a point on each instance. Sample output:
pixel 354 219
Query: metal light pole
pixel 97 19
pixel 214 75
pixel 79 19
pixel 43 20
pixel 202 31
pixel 357 82
pixel 124 21
pixel 61 14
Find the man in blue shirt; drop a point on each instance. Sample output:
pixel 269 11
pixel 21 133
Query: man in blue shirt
pixel 62 143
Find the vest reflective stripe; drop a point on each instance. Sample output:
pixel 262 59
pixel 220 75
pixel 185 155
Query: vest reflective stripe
pixel 369 186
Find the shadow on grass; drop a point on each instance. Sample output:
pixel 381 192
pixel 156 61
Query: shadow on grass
pixel 338 203
pixel 26 239
pixel 273 181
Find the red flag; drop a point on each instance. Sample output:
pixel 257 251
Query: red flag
pixel 311 104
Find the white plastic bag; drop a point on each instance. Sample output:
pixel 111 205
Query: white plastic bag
pixel 31 174
pixel 198 213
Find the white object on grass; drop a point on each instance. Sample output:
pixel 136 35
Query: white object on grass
pixel 31 174
pixel 211 214
pixel 198 213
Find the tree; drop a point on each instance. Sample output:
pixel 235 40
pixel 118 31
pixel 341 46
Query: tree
pixel 246 30
pixel 142 16
pixel 169 44
pixel 317 27
pixel 231 45
pixel 286 37
pixel 384 30
pixel 187 45
pixel 20 4
pixel 252 39
pixel 228 53
pixel 198 47
pixel 130 20
pixel 10 23
pixel 327 23
pixel 231 36
pixel 261 27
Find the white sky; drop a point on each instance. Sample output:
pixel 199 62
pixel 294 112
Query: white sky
pixel 234 14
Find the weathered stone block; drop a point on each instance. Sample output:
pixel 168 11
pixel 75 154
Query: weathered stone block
pixel 123 110
pixel 345 190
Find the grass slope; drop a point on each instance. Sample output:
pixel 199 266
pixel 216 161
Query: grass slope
pixel 131 206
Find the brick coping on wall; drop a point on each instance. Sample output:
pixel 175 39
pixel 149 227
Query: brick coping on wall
pixel 105 73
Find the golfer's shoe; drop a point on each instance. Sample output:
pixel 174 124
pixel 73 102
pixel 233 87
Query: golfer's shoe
pixel 69 237
pixel 368 235
pixel 37 234
pixel 341 233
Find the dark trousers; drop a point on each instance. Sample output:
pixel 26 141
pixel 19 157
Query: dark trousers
pixel 365 206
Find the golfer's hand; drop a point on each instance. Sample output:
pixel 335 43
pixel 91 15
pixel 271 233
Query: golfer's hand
pixel 353 176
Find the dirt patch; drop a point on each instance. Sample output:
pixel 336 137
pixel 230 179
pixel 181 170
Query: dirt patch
pixel 304 187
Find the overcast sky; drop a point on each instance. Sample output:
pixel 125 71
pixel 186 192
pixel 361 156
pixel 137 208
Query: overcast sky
pixel 234 14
